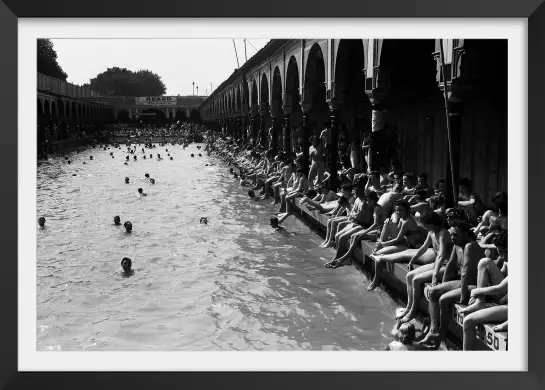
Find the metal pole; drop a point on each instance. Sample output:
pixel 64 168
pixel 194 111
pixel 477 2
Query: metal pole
pixel 245 54
pixel 238 65
pixel 451 157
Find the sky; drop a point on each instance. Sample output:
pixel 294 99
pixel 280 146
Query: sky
pixel 179 62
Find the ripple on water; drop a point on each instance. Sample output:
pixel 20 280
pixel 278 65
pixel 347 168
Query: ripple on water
pixel 232 284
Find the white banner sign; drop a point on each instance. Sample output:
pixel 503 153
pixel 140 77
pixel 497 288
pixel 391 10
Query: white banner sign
pixel 156 101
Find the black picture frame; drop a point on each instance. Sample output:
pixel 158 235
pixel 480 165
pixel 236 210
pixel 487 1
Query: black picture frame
pixel 11 10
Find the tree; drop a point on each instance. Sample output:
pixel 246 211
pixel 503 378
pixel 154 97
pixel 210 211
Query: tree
pixel 47 60
pixel 124 82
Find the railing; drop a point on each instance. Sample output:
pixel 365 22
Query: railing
pixel 59 87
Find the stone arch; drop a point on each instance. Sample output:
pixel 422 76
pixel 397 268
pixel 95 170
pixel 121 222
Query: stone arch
pixel 239 102
pixel 406 63
pixel 276 104
pixel 264 89
pixel 40 108
pixel 54 110
pixel 314 97
pixel 246 96
pixel 354 116
pixel 254 94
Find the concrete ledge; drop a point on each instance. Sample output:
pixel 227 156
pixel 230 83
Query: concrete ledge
pixel 394 279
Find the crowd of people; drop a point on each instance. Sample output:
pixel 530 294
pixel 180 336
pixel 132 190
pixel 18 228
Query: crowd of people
pixel 461 251
pixel 188 131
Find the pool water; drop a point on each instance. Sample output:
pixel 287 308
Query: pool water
pixel 232 284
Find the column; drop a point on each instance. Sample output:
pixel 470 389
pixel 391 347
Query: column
pixel 273 133
pixel 286 134
pixel 378 125
pixel 455 118
pixel 333 152
pixel 306 141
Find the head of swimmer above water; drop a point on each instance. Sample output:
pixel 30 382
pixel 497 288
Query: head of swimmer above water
pixel 126 264
pixel 117 220
pixel 127 158
pixel 274 222
pixel 127 180
pixel 152 181
pixel 204 220
pixel 41 221
pixel 90 157
pixel 128 226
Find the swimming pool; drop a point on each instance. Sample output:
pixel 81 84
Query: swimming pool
pixel 233 284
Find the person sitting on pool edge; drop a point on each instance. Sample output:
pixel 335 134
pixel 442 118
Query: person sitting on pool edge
pixel 498 216
pixel 422 184
pixel 400 249
pixel 459 278
pixel 369 233
pixel 297 192
pixel 41 221
pixel 469 201
pixel 441 247
pixel 126 265
pixel 117 220
pixel 492 285
pixel 128 226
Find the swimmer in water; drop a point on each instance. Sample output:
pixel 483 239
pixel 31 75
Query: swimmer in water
pixel 204 220
pixel 41 221
pixel 125 163
pixel 404 336
pixel 66 158
pixel 69 162
pixel 200 155
pixel 192 155
pixel 128 226
pixel 84 162
pixel 141 192
pixel 117 220
pixel 151 156
pixel 144 157
pixel 135 158
pixel 171 158
pixel 112 156
pixel 230 170
pixel 147 175
pixel 152 181
pixel 127 158
pixel 159 156
pixel 126 264
pixel 277 228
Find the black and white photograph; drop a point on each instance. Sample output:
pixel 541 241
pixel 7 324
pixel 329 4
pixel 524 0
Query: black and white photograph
pixel 272 194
